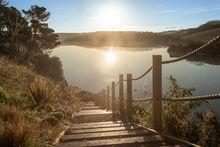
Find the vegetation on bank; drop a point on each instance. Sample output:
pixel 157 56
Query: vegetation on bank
pixel 179 42
pixel 33 109
pixel 36 103
pixel 182 119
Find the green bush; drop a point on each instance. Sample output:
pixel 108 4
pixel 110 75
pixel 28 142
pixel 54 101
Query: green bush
pixel 182 120
pixel 9 97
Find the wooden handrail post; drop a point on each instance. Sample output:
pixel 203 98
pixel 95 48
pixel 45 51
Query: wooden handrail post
pixel 157 92
pixel 121 97
pixel 129 97
pixel 107 101
pixel 113 97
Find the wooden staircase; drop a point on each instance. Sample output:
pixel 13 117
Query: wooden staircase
pixel 94 127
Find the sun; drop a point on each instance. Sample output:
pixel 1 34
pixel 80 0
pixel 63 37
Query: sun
pixel 109 17
pixel 110 56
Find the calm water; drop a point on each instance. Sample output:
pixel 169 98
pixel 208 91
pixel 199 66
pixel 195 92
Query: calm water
pixel 91 70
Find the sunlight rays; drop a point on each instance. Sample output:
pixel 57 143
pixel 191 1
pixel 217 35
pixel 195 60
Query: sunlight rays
pixel 110 56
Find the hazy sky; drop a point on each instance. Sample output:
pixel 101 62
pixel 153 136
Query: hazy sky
pixel 135 15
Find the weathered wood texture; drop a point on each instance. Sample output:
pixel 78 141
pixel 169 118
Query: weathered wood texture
pixel 157 92
pixel 121 98
pixel 112 133
pixel 129 97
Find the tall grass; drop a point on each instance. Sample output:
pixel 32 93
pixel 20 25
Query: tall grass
pixel 14 131
pixel 42 92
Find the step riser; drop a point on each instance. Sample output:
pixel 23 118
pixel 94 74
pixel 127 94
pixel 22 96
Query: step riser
pixel 93 118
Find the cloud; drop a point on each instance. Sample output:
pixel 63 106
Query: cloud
pixel 202 9
pixel 191 10
pixel 166 11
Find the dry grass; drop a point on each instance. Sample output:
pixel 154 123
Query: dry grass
pixel 42 92
pixel 20 122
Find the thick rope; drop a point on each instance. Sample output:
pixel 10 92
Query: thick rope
pixel 194 98
pixel 144 74
pixel 214 40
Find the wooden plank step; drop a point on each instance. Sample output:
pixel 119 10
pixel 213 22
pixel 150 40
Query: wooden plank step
pixel 92 112
pixel 97 123
pixel 99 130
pixel 102 135
pixel 90 108
pixel 151 141
pixel 77 127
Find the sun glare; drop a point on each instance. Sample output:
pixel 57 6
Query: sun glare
pixel 110 56
pixel 110 17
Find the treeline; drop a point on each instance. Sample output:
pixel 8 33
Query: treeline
pixel 26 38
pixel 179 42
pixel 122 39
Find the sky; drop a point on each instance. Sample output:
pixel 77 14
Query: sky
pixel 125 15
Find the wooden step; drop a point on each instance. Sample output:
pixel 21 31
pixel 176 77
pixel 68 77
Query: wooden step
pixel 77 127
pixel 90 108
pixel 102 135
pixel 86 116
pixel 95 127
pixel 125 141
pixel 99 130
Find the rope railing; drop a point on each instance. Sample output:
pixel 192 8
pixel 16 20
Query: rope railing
pixel 214 40
pixel 157 97
pixel 194 98
pixel 144 74
pixel 141 76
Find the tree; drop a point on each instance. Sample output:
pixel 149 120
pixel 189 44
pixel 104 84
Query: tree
pixel 13 32
pixel 50 67
pixel 43 38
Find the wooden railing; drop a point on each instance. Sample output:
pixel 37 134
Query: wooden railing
pixel 126 111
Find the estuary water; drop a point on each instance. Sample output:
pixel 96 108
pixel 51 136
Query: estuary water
pixel 93 69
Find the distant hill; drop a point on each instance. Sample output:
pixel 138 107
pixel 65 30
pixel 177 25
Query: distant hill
pixel 180 40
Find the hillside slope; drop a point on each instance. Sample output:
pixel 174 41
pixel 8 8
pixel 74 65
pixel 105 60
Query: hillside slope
pixel 33 109
pixel 188 38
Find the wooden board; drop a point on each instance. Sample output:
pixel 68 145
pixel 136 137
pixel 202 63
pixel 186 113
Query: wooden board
pixel 133 141
pixel 101 135
pixel 98 130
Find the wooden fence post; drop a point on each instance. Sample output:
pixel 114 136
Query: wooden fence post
pixel 157 92
pixel 121 97
pixel 113 97
pixel 129 97
pixel 107 101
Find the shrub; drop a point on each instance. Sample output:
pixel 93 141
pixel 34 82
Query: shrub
pixel 42 92
pixel 209 130
pixel 14 131
pixel 10 97
pixel 51 121
pixel 10 114
pixel 48 66
pixel 16 134
pixel 142 116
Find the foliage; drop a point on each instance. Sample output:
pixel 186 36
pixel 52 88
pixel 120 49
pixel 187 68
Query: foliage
pixel 50 67
pixel 18 117
pixel 181 119
pixel 43 37
pixel 42 92
pixel 142 115
pixel 14 131
pixel 24 34
pixel 9 97
pixel 209 133
pixel 175 121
